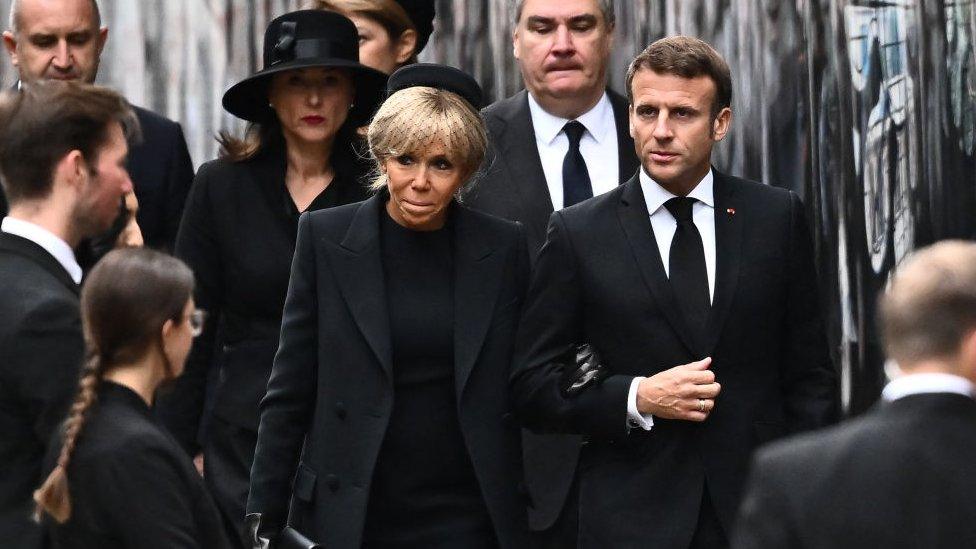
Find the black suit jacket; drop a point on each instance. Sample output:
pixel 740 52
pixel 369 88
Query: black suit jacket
pixel 161 172
pixel 901 476
pixel 514 187
pixel 599 278
pixel 331 389
pixel 41 349
pixel 131 484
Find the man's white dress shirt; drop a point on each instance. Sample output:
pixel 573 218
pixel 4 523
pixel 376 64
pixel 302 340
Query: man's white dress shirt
pixel 47 240
pixel 598 147
pixel 913 384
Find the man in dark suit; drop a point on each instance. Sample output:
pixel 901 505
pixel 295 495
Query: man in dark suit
pixel 62 40
pixel 540 164
pixel 680 266
pixel 902 475
pixel 62 161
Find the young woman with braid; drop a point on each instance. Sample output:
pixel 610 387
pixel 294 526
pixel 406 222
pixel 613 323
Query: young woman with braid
pixel 118 479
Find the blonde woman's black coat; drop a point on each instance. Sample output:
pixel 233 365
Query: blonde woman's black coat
pixel 331 393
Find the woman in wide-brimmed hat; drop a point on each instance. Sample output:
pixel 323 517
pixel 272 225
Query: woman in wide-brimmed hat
pixel 391 32
pixel 239 226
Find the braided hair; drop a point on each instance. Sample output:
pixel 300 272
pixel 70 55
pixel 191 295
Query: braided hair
pixel 125 301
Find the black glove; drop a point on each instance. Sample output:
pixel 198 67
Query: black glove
pixel 589 371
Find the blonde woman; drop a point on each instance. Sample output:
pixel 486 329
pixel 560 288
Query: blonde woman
pixel 388 400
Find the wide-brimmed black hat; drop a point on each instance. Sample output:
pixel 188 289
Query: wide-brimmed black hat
pixel 307 39
pixel 421 13
pixel 434 75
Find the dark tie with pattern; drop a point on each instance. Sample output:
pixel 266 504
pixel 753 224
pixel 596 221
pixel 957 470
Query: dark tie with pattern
pixel 576 179
pixel 687 273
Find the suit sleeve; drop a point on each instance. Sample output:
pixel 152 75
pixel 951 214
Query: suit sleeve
pixel 148 500
pixel 809 380
pixel 179 180
pixel 551 325
pixel 287 406
pixel 764 519
pixel 50 342
pixel 180 406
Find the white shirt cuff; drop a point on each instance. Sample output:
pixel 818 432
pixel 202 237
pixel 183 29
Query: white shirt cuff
pixel 636 419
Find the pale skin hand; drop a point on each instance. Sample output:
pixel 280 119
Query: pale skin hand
pixel 674 393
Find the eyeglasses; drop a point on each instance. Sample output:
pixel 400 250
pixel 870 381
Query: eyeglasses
pixel 197 318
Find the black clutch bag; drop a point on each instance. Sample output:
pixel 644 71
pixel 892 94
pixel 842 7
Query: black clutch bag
pixel 293 539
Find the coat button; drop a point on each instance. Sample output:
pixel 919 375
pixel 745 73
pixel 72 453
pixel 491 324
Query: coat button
pixel 508 420
pixel 340 410
pixel 332 482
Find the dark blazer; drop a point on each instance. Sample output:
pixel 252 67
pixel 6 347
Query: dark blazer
pixel 331 390
pixel 238 236
pixel 514 187
pixel 131 485
pixel 901 476
pixel 599 278
pixel 161 172
pixel 41 349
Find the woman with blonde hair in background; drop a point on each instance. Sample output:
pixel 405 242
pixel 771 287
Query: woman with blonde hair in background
pixel 117 478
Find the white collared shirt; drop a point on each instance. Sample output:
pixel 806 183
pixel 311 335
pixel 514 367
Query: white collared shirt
pixel 47 240
pixel 598 147
pixel 913 384
pixel 665 225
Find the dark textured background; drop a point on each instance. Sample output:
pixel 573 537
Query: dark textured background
pixel 867 109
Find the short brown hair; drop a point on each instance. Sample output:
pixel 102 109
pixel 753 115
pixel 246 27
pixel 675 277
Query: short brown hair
pixel 687 57
pixel 930 305
pixel 46 120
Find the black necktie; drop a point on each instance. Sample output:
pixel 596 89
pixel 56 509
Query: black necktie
pixel 687 274
pixel 576 180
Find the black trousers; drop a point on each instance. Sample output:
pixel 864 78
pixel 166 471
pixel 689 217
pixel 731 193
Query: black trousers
pixel 228 453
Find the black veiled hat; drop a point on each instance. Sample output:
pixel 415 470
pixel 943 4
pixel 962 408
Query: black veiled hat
pixel 421 13
pixel 437 76
pixel 307 39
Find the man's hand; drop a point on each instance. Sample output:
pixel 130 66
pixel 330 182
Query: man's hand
pixel 684 392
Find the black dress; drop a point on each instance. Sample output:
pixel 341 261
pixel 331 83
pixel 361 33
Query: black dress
pixel 238 236
pixel 424 492
pixel 131 485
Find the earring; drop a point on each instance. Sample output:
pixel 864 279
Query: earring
pixel 351 106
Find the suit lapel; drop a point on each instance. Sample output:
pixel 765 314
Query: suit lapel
pixel 516 145
pixel 626 157
pixel 632 212
pixel 478 274
pixel 359 272
pixel 31 250
pixel 729 217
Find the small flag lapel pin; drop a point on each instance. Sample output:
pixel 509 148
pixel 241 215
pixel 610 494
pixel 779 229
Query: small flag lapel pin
pixel 730 211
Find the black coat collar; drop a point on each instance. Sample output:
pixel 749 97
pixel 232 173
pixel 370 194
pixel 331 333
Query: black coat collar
pixel 21 246
pixel 636 223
